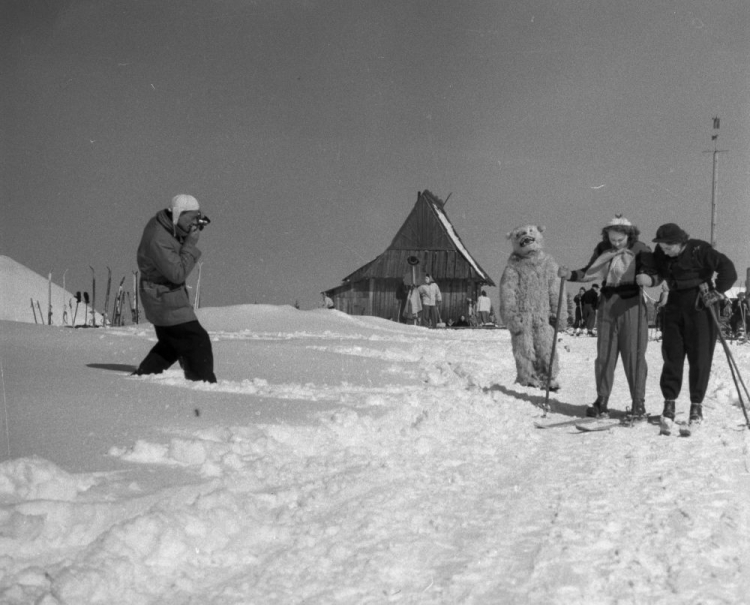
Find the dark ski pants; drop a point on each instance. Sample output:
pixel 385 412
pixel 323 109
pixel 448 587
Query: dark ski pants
pixel 618 336
pixel 686 332
pixel 189 343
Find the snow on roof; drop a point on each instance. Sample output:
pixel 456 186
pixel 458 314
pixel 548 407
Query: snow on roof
pixel 457 240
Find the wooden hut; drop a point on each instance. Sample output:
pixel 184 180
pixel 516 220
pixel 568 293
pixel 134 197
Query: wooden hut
pixel 427 242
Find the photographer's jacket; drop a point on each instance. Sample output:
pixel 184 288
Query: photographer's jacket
pixel 165 261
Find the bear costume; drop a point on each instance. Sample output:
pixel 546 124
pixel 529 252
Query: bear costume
pixel 529 290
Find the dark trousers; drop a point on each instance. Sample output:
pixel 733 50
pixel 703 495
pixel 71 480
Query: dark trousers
pixel 578 322
pixel 689 333
pixel 189 343
pixel 430 316
pixel 589 317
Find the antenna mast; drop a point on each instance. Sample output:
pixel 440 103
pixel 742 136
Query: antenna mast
pixel 715 179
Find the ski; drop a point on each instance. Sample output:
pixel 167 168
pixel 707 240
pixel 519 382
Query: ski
pixel 553 424
pixel 106 316
pixel 117 312
pixel 604 424
pixel 135 296
pixel 93 297
pixel 86 301
pixel 599 424
pixel 585 422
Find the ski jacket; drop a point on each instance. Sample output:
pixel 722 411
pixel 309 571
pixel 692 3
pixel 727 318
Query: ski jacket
pixel 165 261
pixel 430 294
pixel 695 265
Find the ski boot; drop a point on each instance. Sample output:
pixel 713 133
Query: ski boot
pixel 666 424
pixel 637 412
pixel 696 419
pixel 598 409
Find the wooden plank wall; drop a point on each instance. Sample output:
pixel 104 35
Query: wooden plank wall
pixel 386 298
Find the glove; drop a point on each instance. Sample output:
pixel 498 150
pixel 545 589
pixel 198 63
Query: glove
pixel 710 297
pixel 553 321
pixel 643 280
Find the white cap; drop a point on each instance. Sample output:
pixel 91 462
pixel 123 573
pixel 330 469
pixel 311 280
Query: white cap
pixel 182 203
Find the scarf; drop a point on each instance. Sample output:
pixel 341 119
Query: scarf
pixel 615 267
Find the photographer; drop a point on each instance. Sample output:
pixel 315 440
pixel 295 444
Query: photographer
pixel 166 256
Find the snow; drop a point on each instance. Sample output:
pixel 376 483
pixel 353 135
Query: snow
pixel 351 460
pixel 28 297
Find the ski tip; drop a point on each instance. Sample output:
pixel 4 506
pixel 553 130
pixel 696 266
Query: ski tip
pixel 597 425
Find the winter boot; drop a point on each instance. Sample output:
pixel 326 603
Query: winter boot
pixel 666 424
pixel 598 409
pixel 637 411
pixel 696 416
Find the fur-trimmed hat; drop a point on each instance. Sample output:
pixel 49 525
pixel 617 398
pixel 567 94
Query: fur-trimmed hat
pixel 182 203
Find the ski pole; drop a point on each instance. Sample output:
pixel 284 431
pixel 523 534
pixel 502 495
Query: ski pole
pixel 86 302
pixel 78 301
pixel 733 369
pixel 638 344
pixel 546 406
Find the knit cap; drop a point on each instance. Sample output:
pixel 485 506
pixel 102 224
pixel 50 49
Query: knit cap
pixel 182 203
pixel 620 221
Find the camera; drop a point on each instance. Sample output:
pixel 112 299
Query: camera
pixel 202 221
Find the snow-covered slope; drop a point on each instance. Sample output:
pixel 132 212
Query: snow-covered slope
pixel 352 460
pixel 20 287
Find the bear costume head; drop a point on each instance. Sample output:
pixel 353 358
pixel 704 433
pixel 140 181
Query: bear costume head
pixel 527 239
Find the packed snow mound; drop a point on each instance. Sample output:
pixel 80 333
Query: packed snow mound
pixel 20 287
pixel 285 318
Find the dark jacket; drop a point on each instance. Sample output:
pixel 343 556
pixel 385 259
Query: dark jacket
pixel 695 265
pixel 165 261
pixel 590 297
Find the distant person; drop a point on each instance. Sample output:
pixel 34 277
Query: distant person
pixel 471 314
pixel 590 301
pixel 622 325
pixel 484 308
pixel 327 302
pixel 166 256
pixel 461 322
pixel 688 330
pixel 740 319
pixel 431 297
pixel 578 323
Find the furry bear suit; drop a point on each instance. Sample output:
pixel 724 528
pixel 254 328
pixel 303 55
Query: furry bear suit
pixel 529 291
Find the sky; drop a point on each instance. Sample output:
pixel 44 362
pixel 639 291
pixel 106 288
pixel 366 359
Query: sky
pixel 306 129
